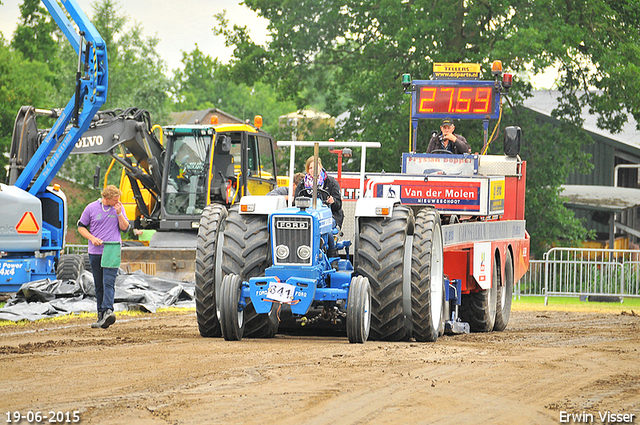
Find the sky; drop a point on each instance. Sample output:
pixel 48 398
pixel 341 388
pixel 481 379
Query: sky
pixel 180 28
pixel 178 25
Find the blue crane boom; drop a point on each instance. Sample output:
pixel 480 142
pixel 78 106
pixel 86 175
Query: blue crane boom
pixel 90 95
pixel 33 216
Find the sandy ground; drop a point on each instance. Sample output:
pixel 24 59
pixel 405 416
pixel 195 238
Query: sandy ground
pixel 156 369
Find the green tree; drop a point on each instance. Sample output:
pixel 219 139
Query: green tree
pixel 36 35
pixel 368 46
pixel 197 86
pixel 16 90
pixel 136 70
pixel 206 83
pixel 547 168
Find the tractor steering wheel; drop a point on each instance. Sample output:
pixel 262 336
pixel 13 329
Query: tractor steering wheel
pixel 307 192
pixel 442 151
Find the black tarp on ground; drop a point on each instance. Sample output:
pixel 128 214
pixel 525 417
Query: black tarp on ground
pixel 135 291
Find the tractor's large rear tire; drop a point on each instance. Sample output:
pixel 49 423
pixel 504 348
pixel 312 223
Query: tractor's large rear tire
pixel 231 315
pixel 381 257
pixel 504 296
pixel 246 251
pixel 70 267
pixel 208 270
pixel 427 277
pixel 359 310
pixel 479 308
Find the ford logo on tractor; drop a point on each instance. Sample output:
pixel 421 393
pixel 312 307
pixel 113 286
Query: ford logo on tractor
pixel 303 225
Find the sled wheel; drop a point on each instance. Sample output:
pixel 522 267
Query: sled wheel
pixel 479 308
pixel 504 297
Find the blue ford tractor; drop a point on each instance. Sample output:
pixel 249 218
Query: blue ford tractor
pixel 301 274
pixel 390 287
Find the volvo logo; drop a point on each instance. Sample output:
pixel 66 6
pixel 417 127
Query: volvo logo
pixel 89 141
pixel 294 225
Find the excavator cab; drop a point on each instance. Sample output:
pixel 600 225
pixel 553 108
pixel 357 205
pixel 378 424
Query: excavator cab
pixel 186 184
pixel 223 177
pixel 207 164
pixel 253 164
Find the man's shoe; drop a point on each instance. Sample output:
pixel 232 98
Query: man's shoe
pixel 98 322
pixel 108 319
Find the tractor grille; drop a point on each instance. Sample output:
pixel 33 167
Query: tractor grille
pixel 292 232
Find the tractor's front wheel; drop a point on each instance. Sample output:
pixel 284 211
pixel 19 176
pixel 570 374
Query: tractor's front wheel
pixel 246 252
pixel 231 312
pixel 359 310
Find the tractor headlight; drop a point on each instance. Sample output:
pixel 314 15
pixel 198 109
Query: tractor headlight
pixel 303 202
pixel 304 252
pixel 282 252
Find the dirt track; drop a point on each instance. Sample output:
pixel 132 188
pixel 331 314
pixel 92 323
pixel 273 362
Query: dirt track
pixel 158 370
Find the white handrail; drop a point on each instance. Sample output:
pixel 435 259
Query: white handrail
pixel 309 143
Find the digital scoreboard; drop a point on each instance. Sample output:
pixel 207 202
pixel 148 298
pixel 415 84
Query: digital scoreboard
pixel 455 99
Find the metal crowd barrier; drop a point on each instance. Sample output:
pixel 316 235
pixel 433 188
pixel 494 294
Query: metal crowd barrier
pixel 75 249
pixel 583 272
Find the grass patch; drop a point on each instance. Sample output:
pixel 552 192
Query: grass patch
pixel 57 320
pixel 574 304
pixel 85 315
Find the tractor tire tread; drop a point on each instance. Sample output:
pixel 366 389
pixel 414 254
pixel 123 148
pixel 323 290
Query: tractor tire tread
pixel 380 254
pixel 212 223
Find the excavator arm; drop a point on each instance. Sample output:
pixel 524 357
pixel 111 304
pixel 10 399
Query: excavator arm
pixel 123 135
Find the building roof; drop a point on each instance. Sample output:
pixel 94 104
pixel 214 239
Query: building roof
pixel 191 117
pixel 544 101
pixel 603 198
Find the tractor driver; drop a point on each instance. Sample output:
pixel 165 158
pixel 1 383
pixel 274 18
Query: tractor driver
pixel 333 199
pixel 447 140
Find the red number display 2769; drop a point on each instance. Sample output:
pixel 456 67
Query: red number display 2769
pixel 455 100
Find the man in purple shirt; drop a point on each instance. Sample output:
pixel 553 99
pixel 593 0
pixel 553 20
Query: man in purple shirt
pixel 101 221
